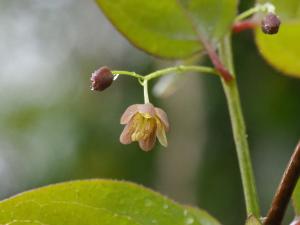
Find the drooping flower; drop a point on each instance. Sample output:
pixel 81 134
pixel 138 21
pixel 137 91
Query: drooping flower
pixel 144 123
pixel 101 79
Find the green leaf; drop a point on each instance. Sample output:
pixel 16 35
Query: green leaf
pixel 202 217
pixel 97 202
pixel 252 220
pixel 170 28
pixel 287 9
pixel 296 199
pixel 283 50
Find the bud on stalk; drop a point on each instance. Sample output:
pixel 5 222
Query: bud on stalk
pixel 101 79
pixel 270 24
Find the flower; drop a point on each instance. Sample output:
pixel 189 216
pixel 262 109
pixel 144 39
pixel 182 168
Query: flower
pixel 144 123
pixel 101 79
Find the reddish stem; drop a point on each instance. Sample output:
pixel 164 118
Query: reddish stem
pixel 210 50
pixel 285 190
pixel 244 25
pixel 217 62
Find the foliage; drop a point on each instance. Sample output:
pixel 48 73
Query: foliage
pixel 282 50
pixel 296 199
pixel 98 202
pixel 170 28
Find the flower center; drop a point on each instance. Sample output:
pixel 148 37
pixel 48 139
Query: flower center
pixel 144 125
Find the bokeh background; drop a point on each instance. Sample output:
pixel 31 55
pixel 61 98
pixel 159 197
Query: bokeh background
pixel 54 129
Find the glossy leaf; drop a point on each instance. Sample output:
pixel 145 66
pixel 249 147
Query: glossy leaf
pixel 170 28
pixel 283 50
pixel 97 202
pixel 296 199
pixel 252 220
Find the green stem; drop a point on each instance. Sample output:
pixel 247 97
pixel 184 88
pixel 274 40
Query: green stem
pixel 239 131
pixel 267 7
pixel 180 69
pixel 128 73
pixel 143 80
pixel 146 95
pixel 159 73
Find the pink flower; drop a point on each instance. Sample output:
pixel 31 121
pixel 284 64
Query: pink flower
pixel 144 123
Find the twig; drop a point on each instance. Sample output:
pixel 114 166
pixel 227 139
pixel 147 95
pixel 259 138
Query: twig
pixel 285 190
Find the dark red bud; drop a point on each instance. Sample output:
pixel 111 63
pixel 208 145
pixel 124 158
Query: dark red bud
pixel 270 24
pixel 101 79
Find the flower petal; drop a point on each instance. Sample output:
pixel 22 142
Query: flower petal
pixel 161 134
pixel 148 143
pixel 129 113
pixel 125 137
pixel 162 115
pixel 146 110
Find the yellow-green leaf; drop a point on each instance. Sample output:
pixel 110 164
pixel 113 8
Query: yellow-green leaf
pixel 170 28
pixel 296 199
pixel 97 202
pixel 283 50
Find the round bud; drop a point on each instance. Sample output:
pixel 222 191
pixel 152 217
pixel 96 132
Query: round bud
pixel 270 24
pixel 101 79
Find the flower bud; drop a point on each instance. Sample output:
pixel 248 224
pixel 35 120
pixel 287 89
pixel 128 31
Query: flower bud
pixel 270 24
pixel 101 79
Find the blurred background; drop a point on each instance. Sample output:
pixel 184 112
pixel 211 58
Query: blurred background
pixel 54 129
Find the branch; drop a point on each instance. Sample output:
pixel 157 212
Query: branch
pixel 285 190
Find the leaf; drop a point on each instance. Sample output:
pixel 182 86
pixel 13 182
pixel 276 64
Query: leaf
pixel 252 220
pixel 296 199
pixel 97 202
pixel 170 28
pixel 287 9
pixel 283 50
pixel 202 217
